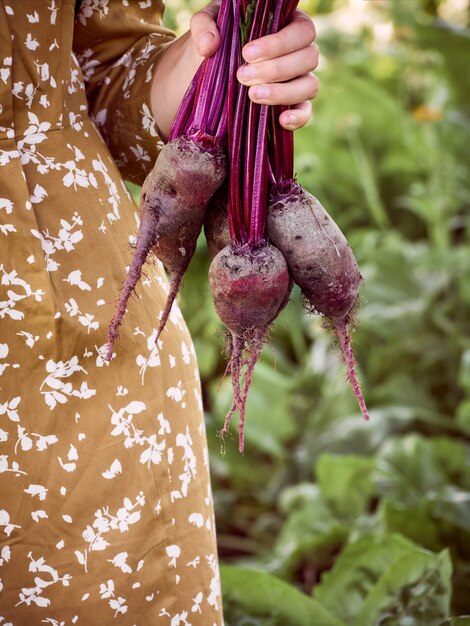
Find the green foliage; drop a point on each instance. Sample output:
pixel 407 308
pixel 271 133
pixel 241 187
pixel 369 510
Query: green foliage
pixel 311 531
pixel 388 581
pixel 415 590
pixel 369 521
pixel 254 598
pixel 346 483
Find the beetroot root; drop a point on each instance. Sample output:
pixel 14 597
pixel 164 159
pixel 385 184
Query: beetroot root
pixel 173 201
pixel 320 261
pixel 249 287
pixel 319 257
pixel 217 232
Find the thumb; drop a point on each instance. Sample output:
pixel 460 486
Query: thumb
pixel 204 29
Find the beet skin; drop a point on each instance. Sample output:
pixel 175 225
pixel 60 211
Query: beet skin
pixel 318 254
pixel 248 286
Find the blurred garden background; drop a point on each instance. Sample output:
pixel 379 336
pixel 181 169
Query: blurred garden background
pixel 326 520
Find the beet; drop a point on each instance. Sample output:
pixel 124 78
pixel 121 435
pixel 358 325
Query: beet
pixel 173 203
pixel 249 286
pixel 319 257
pixel 320 261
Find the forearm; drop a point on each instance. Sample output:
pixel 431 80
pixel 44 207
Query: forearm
pixel 171 79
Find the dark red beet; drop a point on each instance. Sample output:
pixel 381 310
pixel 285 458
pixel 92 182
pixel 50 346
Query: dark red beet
pixel 217 232
pixel 319 257
pixel 248 287
pixel 173 203
pixel 320 261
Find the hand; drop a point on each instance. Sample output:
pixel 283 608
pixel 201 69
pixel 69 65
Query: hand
pixel 278 67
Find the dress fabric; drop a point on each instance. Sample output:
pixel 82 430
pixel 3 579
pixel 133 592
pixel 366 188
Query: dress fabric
pixel 106 513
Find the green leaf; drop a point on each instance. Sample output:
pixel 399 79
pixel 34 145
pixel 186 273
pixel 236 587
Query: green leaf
pixel 413 591
pixel 297 497
pixel 413 467
pixel 134 190
pixel 452 44
pixel 463 620
pixel 310 533
pixel 452 505
pixel 464 373
pixel 412 522
pixel 255 598
pixel 357 570
pixel 245 25
pixel 346 483
pixel 427 485
pixel 463 416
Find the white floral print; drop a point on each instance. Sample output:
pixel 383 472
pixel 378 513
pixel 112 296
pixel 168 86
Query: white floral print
pixel 106 512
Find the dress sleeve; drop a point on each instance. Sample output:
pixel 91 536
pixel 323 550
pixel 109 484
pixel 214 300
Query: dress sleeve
pixel 118 44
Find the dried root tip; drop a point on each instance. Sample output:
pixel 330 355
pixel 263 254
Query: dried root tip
pixel 344 339
pixel 236 353
pixel 109 347
pixel 145 241
pixel 255 347
pixel 252 341
pixel 175 285
pixel 228 345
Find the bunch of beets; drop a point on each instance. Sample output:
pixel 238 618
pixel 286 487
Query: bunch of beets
pixel 228 165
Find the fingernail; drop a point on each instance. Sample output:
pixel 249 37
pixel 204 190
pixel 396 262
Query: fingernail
pixel 246 72
pixel 251 52
pixel 261 92
pixel 205 41
pixel 292 120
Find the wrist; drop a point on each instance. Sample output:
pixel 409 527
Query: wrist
pixel 172 77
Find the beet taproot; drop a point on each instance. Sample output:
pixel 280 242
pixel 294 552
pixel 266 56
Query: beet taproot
pixel 248 286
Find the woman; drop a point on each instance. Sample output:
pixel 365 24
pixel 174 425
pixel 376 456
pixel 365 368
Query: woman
pixel 105 508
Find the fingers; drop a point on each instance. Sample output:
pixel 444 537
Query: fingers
pixel 297 116
pixel 204 29
pixel 299 89
pixel 298 34
pixel 278 67
pixel 284 68
pixel 278 70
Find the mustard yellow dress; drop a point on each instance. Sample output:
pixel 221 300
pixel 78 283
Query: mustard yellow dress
pixel 106 513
